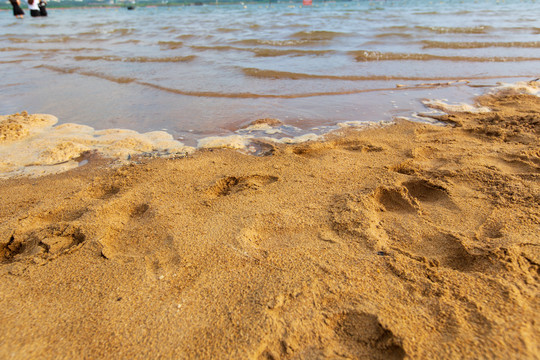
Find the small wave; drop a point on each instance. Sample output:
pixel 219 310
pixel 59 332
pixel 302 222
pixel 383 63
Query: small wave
pixel 129 41
pixel 7 49
pixel 255 42
pixel 428 44
pixel 58 39
pixel 394 34
pixel 122 31
pixel 185 36
pixel 273 74
pixel 62 70
pixel 138 59
pixel 217 48
pixel 100 31
pixel 482 29
pixel 81 49
pixel 365 55
pixel 171 44
pixel 395 28
pixel 262 52
pixel 118 80
pixel 318 35
pixel 298 25
pixel 14 49
pixel 19 40
pixel 107 23
pixel 44 25
pixel 295 52
pixel 213 94
pixel 227 30
pixel 90 33
pixel 45 51
pixel 268 73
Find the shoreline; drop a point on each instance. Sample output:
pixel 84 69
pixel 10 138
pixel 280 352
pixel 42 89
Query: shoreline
pixel 411 240
pixel 35 144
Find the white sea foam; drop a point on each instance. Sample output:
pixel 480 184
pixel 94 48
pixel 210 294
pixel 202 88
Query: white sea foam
pixel 297 139
pixel 265 128
pixel 520 87
pixel 461 107
pixel 31 145
pixel 359 124
pixel 239 142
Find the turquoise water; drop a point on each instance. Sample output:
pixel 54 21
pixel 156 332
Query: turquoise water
pixel 198 71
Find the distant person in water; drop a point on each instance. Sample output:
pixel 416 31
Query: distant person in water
pixel 17 11
pixel 42 7
pixel 33 6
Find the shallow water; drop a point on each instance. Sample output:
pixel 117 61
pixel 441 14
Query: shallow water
pixel 199 71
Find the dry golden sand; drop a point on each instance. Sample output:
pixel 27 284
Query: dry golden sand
pixel 408 241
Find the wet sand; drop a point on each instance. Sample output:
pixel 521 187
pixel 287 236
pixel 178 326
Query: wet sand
pixel 405 241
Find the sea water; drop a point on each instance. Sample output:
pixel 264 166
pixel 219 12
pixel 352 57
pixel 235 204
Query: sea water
pixel 204 71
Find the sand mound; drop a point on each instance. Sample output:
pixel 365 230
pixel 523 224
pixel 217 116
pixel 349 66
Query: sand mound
pixel 408 241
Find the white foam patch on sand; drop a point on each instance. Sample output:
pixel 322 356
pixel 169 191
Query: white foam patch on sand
pixel 242 142
pixel 359 124
pixel 461 107
pixel 30 145
pixel 239 142
pixel 296 139
pixel 245 138
pixel 265 128
pixel 520 87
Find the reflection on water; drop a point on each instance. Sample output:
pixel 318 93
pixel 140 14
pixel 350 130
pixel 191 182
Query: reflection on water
pixel 206 70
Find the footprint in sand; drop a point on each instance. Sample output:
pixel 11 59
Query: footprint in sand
pixel 361 216
pixel 165 261
pixel 231 184
pixel 363 336
pixel 425 191
pixel 44 243
pixel 106 192
pixel 391 218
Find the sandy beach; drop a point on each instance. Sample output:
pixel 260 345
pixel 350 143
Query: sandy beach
pixel 407 240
